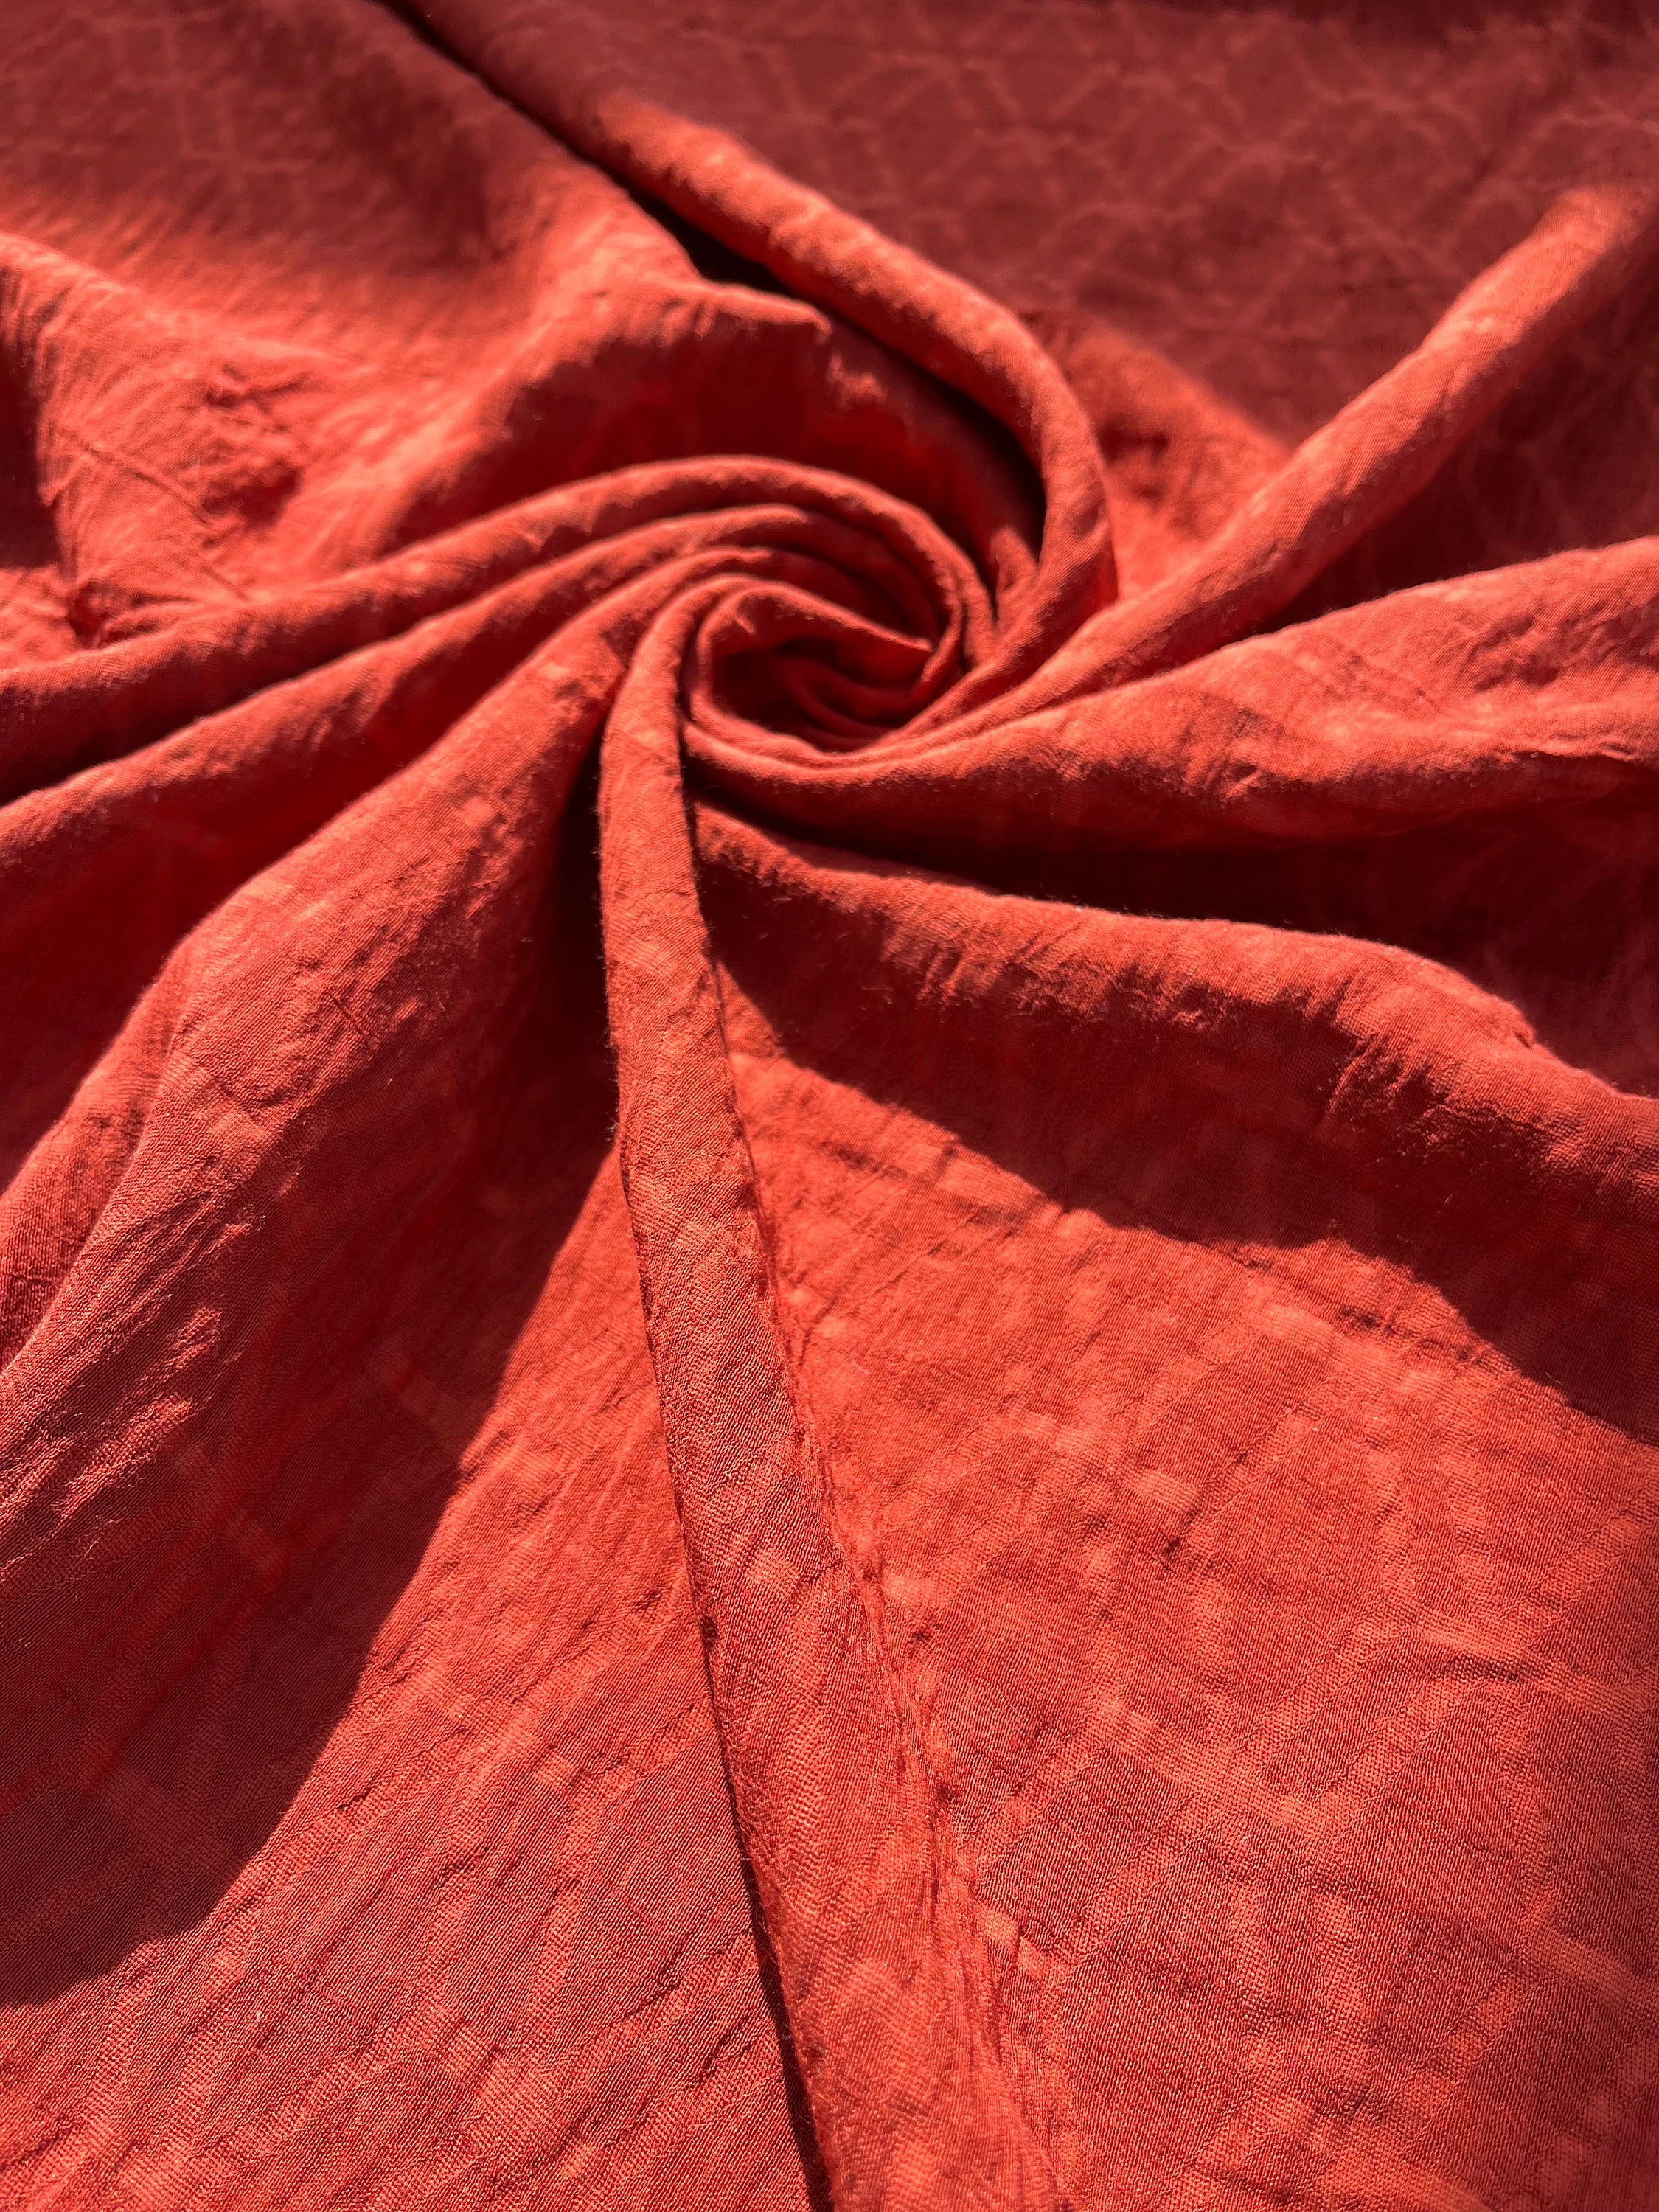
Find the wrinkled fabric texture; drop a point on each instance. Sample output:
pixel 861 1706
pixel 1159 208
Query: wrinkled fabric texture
pixel 829 1118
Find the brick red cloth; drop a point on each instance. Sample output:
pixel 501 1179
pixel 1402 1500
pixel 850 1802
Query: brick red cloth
pixel 830 1125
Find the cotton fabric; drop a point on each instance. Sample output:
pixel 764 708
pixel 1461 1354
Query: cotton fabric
pixel 827 1266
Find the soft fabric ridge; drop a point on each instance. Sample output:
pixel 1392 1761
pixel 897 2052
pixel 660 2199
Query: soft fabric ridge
pixel 830 1174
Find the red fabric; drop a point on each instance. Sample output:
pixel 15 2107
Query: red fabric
pixel 831 1124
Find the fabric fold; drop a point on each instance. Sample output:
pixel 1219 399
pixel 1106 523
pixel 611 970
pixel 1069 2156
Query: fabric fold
pixel 829 1156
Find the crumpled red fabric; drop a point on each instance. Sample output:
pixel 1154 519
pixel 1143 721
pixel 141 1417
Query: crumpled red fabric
pixel 827 1258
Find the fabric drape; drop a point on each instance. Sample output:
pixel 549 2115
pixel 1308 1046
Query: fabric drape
pixel 830 1185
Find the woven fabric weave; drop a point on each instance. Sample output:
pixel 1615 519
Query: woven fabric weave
pixel 829 1136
